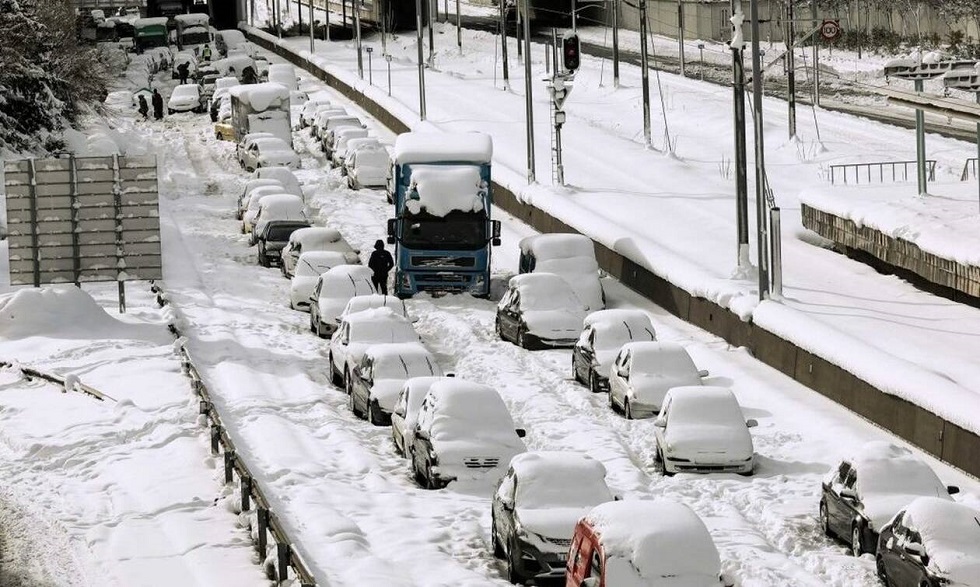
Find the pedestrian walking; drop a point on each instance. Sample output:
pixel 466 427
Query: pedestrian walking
pixel 157 100
pixel 206 53
pixel 144 107
pixel 183 70
pixel 380 263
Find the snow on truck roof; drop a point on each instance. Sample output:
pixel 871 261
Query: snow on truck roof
pixel 558 246
pixel 155 21
pixel 261 96
pixel 195 18
pixel 417 147
pixel 658 538
pixel 440 190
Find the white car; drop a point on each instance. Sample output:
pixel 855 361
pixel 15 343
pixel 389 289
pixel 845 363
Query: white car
pixel 464 431
pixel 246 141
pixel 310 266
pixel 370 302
pixel 603 334
pixel 270 152
pixel 315 238
pixel 535 508
pixel 539 310
pixel 359 331
pixel 185 98
pixel 343 136
pixel 285 176
pixel 702 430
pixel 278 207
pixel 332 292
pixel 642 374
pixel 333 124
pixel 570 256
pixel 251 185
pixel 354 145
pixel 320 119
pixel 311 108
pixel 182 57
pixel 368 167
pixel 253 203
pixel 405 414
pixel 378 377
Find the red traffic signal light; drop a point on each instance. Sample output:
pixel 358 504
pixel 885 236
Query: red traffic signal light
pixel 570 52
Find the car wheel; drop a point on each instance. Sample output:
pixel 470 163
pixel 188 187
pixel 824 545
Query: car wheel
pixel 319 328
pixel 263 261
pixel 612 402
pixel 513 575
pixel 880 570
pixel 825 519
pixel 663 464
pixel 312 324
pixel 353 405
pixel 217 136
pixel 430 479
pixel 498 549
pixel 627 410
pixel 347 385
pixel 419 476
pixel 372 415
pixel 857 549
pixel 594 382
pixel 497 330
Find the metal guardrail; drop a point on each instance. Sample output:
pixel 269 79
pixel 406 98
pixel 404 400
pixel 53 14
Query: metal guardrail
pixel 267 522
pixel 971 164
pixel 899 171
pixel 68 383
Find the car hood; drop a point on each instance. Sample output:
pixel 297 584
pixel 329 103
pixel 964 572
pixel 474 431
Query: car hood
pixel 880 508
pixel 386 392
pixel 553 324
pixel 605 360
pixel 702 441
pixel 963 570
pixel 302 285
pixel 550 523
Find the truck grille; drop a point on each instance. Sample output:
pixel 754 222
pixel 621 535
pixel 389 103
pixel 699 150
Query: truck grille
pixel 481 463
pixel 441 278
pixel 441 261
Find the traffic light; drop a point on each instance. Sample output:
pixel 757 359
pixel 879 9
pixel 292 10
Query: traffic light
pixel 570 52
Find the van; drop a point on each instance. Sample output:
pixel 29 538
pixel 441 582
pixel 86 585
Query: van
pixel 640 542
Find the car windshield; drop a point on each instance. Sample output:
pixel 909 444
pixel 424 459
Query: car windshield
pixel 313 267
pixel 403 366
pixel 456 230
pixel 185 91
pixel 280 232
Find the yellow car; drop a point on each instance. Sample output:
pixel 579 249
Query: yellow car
pixel 223 131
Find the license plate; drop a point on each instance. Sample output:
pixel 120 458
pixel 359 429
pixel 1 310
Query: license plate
pixel 563 556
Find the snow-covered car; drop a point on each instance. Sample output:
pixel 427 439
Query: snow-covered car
pixel 536 506
pixel 310 108
pixel 250 185
pixel 234 66
pixel 343 136
pixel 285 176
pixel 368 168
pixel 539 310
pixel 463 431
pixel 643 372
pixel 702 430
pixel 185 98
pixel 278 207
pixel 603 334
pixel 270 152
pixel 253 203
pixel 377 379
pixel 271 237
pixel 643 543
pixel 356 332
pixel 314 238
pixel 328 132
pixel 229 40
pixel 322 116
pixel 245 142
pixel 331 293
pixel 570 256
pixel 406 411
pixel 310 266
pixel 867 489
pixel 283 74
pixel 370 302
pixel 354 145
pixel 932 542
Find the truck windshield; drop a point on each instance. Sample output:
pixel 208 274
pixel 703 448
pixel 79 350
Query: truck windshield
pixel 456 230
pixel 195 38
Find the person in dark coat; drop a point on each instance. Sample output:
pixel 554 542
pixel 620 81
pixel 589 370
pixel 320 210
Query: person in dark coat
pixel 206 53
pixel 144 107
pixel 183 70
pixel 380 263
pixel 157 100
pixel 249 76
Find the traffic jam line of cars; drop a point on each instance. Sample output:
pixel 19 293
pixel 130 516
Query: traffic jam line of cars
pixel 552 514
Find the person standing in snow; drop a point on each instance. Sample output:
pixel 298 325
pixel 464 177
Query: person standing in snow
pixel 380 263
pixel 206 53
pixel 183 70
pixel 144 107
pixel 157 105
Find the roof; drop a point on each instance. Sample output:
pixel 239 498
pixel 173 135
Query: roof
pixel 155 21
pixel 347 272
pixel 558 246
pixel 420 147
pixel 886 468
pixel 553 463
pixel 440 190
pixel 260 96
pixel 315 235
pixel 656 352
pixel 703 405
pixel 372 314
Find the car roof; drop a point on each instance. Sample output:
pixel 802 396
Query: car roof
pixel 566 465
pixel 381 314
pixel 616 316
pixel 558 246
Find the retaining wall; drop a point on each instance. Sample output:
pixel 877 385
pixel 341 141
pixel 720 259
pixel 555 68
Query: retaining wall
pixel 915 424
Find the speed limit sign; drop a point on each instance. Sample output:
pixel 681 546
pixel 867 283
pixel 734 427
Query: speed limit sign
pixel 830 29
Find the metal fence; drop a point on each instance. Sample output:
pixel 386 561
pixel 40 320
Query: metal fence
pixel 880 171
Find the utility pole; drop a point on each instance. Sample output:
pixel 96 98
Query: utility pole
pixel 357 26
pixel 615 28
pixel 431 6
pixel 529 103
pixel 738 103
pixel 312 49
pixel 418 30
pixel 645 74
pixel 760 161
pixel 816 55
pixel 503 42
pixel 791 68
pixel 680 34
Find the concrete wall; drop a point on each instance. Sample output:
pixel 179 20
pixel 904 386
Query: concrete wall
pixel 952 444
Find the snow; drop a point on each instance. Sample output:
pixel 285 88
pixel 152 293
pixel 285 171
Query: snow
pixel 647 540
pixel 185 92
pixel 372 301
pixel 548 479
pixel 315 263
pixel 572 257
pixel 261 97
pixel 192 19
pixel 233 64
pixel 705 424
pixel 59 312
pixel 439 190
pixel 951 536
pixel 283 175
pixel 225 82
pixel 656 368
pixel 232 38
pixel 544 292
pixel 379 325
pixel 419 147
pixel 154 21
pixel 340 284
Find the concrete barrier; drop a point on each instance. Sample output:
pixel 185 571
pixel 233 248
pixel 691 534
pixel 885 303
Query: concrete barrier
pixel 954 445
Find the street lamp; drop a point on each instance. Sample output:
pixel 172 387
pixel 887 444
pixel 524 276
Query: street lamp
pixel 370 50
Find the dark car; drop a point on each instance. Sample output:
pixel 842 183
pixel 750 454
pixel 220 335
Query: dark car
pixel 376 382
pixel 866 491
pixel 539 311
pixel 273 237
pixel 931 543
pixel 536 506
pixel 603 334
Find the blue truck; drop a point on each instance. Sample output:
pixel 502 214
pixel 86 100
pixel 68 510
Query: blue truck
pixel 442 230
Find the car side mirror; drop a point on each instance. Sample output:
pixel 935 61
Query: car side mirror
pixel 450 374
pixel 337 319
pixel 659 422
pixel 915 549
pixel 952 489
pixel 521 433
pixel 751 423
pixel 400 411
pixel 495 242
pixel 617 497
pixel 419 433
pixel 703 373
pixel 848 493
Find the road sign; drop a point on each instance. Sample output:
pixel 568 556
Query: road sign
pixel 830 29
pixel 559 87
